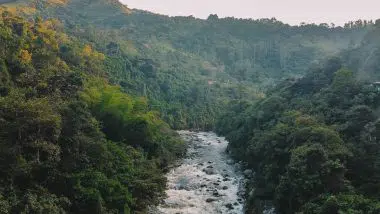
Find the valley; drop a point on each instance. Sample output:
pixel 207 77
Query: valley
pixel 93 93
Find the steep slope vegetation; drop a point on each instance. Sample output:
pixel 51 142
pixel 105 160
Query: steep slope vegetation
pixel 190 68
pixel 364 59
pixel 71 142
pixel 313 141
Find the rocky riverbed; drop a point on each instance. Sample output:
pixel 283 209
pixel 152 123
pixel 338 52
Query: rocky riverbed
pixel 207 181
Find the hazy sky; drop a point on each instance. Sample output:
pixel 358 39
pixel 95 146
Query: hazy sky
pixel 289 11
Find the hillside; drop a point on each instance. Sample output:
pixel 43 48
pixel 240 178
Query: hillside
pixel 190 68
pixel 312 142
pixel 63 139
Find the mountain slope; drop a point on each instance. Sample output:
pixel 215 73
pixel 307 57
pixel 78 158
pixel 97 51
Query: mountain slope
pixel 70 141
pixel 190 68
pixel 312 142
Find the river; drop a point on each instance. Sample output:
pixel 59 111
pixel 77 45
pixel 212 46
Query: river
pixel 206 181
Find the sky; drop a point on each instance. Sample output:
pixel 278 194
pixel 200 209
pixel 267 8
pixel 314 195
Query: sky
pixel 289 11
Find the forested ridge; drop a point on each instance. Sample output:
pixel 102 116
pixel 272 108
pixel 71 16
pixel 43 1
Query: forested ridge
pixel 70 141
pixel 191 68
pixel 313 141
pixel 90 91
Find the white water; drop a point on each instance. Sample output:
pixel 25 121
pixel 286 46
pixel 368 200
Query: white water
pixel 207 181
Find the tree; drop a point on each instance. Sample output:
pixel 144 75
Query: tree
pixel 213 17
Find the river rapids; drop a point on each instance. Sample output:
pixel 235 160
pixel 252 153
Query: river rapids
pixel 207 181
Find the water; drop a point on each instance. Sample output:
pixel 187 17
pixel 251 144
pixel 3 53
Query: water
pixel 207 181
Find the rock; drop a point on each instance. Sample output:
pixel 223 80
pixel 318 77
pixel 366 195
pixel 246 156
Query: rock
pixel 210 162
pixel 226 179
pixel 210 167
pixel 216 193
pixel 181 187
pixel 225 187
pixel 197 146
pixel 216 184
pixel 230 162
pixel 209 171
pixel 248 172
pixel 241 193
pixel 237 165
pixel 209 200
pixel 229 206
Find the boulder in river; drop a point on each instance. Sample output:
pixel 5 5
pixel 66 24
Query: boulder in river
pixel 209 200
pixel 209 171
pixel 248 172
pixel 229 206
pixel 251 193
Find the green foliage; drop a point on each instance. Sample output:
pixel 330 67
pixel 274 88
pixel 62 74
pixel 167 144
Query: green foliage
pixel 311 143
pixel 126 119
pixel 4 74
pixel 188 68
pixel 71 142
pixel 342 203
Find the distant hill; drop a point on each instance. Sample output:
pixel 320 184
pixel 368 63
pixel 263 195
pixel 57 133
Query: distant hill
pixel 243 57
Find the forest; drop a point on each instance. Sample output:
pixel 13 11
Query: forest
pixel 70 141
pixel 191 68
pixel 312 142
pixel 90 99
